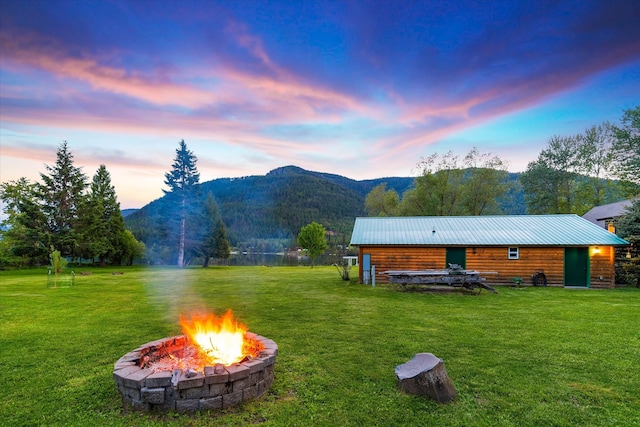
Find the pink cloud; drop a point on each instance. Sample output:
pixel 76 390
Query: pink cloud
pixel 239 106
pixel 32 152
pixel 277 97
pixel 46 154
pixel 288 100
pixel 160 124
pixel 287 95
pixel 20 53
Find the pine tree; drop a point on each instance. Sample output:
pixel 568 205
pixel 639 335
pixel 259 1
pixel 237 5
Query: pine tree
pixel 103 225
pixel 215 243
pixel 182 181
pixel 62 194
pixel 222 248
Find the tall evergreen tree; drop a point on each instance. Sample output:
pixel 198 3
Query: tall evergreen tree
pixel 215 243
pixel 103 225
pixel 222 249
pixel 62 193
pixel 182 181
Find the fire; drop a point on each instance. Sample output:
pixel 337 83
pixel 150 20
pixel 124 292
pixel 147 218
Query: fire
pixel 220 339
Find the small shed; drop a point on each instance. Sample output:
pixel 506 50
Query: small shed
pixel 568 249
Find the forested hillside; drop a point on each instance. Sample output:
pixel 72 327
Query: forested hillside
pixel 276 205
pixel 571 175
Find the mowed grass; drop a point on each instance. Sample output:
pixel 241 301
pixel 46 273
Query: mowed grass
pixel 523 357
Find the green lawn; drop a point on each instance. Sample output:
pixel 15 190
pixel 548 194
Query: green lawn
pixel 523 357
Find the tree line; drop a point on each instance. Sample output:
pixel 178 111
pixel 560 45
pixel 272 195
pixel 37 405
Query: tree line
pixel 568 175
pixel 571 175
pixel 67 214
pixel 82 219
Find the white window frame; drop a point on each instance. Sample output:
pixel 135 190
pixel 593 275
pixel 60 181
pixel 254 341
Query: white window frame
pixel 513 253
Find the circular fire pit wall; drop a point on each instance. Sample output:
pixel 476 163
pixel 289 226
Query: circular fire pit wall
pixel 218 387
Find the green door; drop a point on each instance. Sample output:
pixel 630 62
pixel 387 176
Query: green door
pixel 457 256
pixel 576 267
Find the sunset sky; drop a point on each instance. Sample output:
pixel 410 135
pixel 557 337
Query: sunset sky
pixel 357 88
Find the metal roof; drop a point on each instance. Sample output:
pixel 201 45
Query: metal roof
pixel 600 214
pixel 504 230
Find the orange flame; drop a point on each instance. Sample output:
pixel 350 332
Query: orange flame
pixel 220 339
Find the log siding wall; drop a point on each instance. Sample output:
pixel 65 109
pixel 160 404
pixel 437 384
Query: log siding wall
pixel 549 260
pixel 603 267
pixel 531 260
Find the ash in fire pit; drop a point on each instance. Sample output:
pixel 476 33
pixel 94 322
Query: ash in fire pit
pixel 174 374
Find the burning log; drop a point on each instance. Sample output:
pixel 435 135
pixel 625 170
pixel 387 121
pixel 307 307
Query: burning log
pixel 220 339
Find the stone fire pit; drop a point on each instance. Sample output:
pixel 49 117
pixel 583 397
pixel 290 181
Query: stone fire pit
pixel 188 390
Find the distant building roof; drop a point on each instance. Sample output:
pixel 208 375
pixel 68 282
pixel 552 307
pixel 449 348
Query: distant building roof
pixel 601 214
pixel 505 230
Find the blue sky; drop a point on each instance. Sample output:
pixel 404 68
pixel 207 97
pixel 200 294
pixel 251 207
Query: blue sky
pixel 358 88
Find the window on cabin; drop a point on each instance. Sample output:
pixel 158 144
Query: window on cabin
pixel 514 253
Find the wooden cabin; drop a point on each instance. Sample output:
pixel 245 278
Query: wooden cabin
pixel 568 249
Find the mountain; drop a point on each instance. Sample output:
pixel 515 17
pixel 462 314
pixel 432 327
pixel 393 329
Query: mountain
pixel 127 212
pixel 260 209
pixel 275 205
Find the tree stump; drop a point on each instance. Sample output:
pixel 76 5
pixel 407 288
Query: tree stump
pixel 425 375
